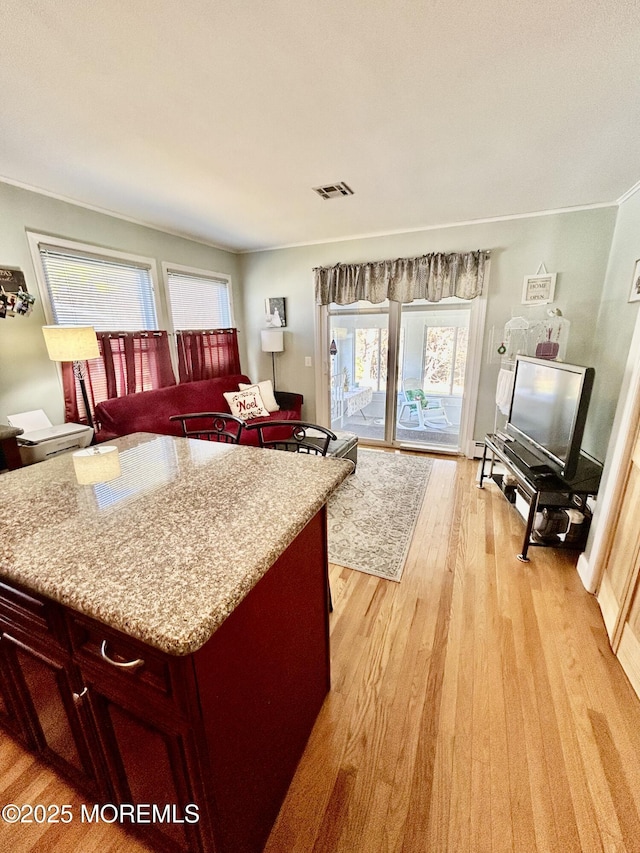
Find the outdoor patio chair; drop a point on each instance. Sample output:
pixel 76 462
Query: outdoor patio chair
pixel 428 410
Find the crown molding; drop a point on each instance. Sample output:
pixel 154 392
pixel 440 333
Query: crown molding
pixel 374 234
pixel 107 212
pixel 626 196
pixel 349 238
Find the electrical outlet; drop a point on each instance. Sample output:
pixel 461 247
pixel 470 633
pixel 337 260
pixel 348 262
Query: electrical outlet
pixel 307 361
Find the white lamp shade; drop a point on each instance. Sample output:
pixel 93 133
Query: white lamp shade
pixel 96 464
pixel 272 340
pixel 71 343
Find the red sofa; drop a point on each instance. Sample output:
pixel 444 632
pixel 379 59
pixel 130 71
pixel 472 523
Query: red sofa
pixel 149 411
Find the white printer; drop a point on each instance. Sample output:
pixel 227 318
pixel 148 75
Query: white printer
pixel 41 440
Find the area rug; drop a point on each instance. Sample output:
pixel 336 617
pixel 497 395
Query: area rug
pixel 372 516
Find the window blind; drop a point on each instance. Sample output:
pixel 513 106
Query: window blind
pixel 105 293
pixel 198 301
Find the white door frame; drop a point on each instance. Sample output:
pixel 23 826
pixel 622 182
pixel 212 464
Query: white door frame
pixel 592 562
pixel 474 364
pixel 322 367
pixel 472 380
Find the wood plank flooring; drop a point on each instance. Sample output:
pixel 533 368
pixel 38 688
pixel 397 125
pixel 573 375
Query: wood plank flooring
pixel 475 706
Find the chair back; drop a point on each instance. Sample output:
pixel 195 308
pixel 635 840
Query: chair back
pixel 303 437
pixel 411 384
pixel 211 426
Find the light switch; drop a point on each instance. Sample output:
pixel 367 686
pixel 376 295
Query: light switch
pixel 307 361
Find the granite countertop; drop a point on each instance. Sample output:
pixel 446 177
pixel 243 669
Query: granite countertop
pixel 166 551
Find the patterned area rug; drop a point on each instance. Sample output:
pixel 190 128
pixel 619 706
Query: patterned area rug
pixel 372 516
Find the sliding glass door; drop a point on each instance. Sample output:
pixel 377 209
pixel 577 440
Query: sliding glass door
pixel 431 374
pixel 399 375
pixel 359 363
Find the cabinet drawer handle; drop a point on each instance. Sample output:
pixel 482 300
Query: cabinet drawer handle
pixel 130 664
pixel 77 697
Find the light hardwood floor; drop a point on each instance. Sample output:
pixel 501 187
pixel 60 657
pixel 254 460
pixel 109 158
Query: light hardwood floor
pixel 475 706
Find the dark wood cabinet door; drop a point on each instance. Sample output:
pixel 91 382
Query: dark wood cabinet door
pixel 152 762
pixel 12 716
pixel 44 697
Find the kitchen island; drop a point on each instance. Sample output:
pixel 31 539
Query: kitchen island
pixel 164 635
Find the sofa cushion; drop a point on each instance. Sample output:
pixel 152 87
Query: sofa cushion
pixel 246 404
pixel 250 436
pixel 266 392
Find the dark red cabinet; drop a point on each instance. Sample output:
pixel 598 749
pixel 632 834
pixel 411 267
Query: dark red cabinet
pixel 217 733
pixel 47 697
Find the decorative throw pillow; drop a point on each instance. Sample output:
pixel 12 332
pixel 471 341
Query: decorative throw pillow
pixel 266 392
pixel 246 404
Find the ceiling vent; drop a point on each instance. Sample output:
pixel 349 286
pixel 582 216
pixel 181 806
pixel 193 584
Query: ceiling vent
pixel 333 190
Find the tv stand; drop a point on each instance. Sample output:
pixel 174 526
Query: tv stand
pixel 534 488
pixel 524 456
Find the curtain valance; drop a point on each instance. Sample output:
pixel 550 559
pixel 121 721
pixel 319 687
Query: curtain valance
pixel 432 277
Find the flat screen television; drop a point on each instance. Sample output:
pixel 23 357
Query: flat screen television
pixel 548 412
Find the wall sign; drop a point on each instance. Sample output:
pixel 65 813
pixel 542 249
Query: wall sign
pixel 538 289
pixel 12 280
pixel 14 299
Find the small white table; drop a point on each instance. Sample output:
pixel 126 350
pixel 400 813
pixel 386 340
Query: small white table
pixel 356 400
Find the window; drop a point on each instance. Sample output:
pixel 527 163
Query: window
pixel 198 299
pixel 445 358
pixel 371 346
pixel 202 317
pixel 109 292
pixel 114 293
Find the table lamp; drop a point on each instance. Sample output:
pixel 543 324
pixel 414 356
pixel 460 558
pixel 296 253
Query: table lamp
pixel 96 464
pixel 273 342
pixel 76 344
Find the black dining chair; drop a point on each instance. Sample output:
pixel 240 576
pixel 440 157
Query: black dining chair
pixel 300 437
pixel 211 426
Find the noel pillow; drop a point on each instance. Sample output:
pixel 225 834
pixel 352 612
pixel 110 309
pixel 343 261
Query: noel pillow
pixel 246 404
pixel 266 392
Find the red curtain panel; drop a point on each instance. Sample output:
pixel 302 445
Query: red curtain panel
pixel 207 354
pixel 128 362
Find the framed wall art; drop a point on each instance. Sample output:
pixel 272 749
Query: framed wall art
pixel 276 311
pixel 634 296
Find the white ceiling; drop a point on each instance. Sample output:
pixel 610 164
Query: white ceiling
pixel 215 119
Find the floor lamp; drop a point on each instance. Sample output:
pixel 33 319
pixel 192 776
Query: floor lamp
pixel 273 342
pixel 76 344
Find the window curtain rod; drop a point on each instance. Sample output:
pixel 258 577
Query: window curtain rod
pixel 138 334
pixel 431 277
pixel 230 331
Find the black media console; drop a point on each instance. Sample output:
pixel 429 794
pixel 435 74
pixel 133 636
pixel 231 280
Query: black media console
pixel 544 499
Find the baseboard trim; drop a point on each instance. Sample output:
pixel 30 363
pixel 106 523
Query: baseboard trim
pixel 585 572
pixel 475 449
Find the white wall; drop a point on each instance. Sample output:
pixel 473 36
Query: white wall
pixel 574 245
pixel 615 324
pixel 28 380
pixel 617 321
